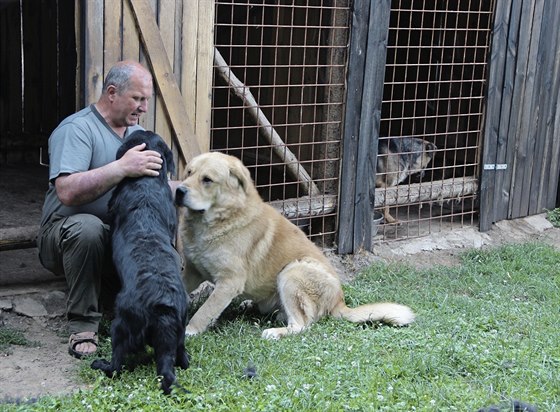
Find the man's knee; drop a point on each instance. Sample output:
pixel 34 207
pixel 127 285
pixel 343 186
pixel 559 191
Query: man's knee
pixel 85 231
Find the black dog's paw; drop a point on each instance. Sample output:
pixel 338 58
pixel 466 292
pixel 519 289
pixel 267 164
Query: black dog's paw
pixel 183 360
pixel 103 365
pixel 100 364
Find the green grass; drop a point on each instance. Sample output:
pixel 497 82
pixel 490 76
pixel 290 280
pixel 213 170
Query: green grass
pixel 487 332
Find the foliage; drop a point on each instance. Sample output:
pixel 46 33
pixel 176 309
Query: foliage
pixel 486 333
pixel 553 217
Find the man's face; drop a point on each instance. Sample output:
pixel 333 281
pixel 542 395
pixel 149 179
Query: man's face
pixel 128 105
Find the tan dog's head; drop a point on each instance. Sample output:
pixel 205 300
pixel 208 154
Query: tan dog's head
pixel 216 183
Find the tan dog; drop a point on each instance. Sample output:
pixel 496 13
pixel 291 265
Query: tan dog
pixel 246 248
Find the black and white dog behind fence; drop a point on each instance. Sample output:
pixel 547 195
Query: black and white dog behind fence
pixel 151 308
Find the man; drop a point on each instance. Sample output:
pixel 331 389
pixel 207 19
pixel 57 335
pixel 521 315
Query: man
pixel 74 236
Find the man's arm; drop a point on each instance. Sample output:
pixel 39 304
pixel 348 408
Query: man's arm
pixel 83 187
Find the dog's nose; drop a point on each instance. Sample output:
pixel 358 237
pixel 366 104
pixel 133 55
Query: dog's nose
pixel 180 194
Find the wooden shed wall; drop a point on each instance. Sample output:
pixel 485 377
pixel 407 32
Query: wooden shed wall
pixel 522 149
pixel 37 75
pixel 173 38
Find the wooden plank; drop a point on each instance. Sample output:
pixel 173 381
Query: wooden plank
pixel 67 61
pixel 165 79
pixel 11 31
pixel 204 72
pixel 148 120
pixel 32 86
pixel 49 97
pixel 93 50
pixel 130 36
pixel 553 121
pixel 504 145
pixel 177 68
pixel 166 24
pixel 547 85
pixel 525 138
pixel 112 31
pixel 370 118
pixel 189 58
pixel 78 24
pixel 4 65
pixel 356 64
pixel 493 107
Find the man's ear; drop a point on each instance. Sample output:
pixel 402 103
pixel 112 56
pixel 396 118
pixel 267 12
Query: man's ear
pixel 111 92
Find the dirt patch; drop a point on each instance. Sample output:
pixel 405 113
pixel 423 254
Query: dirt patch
pixel 44 367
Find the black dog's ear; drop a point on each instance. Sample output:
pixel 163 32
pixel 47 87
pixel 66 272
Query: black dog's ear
pixel 167 155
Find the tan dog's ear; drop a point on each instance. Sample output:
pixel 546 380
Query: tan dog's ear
pixel 240 175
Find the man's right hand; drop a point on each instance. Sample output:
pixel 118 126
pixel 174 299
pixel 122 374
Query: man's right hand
pixel 138 162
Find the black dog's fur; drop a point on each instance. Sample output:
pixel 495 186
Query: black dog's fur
pixel 151 308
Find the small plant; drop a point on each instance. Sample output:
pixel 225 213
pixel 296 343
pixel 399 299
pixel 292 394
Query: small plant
pixel 10 336
pixel 554 217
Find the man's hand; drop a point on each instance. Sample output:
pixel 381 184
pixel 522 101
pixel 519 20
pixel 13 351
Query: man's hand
pixel 138 162
pixel 84 187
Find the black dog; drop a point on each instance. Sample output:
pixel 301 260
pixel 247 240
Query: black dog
pixel 151 308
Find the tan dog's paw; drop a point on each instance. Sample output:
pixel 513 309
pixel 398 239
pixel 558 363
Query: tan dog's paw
pixel 190 331
pixel 277 333
pixel 274 333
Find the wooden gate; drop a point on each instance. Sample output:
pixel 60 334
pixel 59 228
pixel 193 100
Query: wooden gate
pixel 173 38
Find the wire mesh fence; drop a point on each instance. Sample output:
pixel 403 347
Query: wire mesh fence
pixel 278 104
pixel 432 116
pixel 278 100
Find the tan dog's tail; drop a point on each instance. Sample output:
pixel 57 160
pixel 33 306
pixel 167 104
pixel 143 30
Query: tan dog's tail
pixel 387 312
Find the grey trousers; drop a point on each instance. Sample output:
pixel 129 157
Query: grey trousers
pixel 79 248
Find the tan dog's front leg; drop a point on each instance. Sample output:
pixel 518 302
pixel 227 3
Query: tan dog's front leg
pixel 224 292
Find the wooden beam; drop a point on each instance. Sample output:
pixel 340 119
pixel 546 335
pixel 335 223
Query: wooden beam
pixel 305 206
pixel 424 192
pixel 351 134
pixel 165 79
pixel 18 237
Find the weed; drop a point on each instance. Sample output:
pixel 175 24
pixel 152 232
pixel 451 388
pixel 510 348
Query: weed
pixel 11 336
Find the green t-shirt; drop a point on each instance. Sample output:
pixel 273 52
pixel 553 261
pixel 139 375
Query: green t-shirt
pixel 81 142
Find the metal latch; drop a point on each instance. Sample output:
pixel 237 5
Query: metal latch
pixel 492 166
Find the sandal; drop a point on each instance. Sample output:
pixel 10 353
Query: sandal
pixel 81 337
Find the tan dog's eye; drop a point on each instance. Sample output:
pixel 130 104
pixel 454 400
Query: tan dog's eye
pixel 189 172
pixel 206 179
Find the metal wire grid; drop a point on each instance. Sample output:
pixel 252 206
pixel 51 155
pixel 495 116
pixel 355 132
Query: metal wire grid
pixel 434 91
pixel 282 77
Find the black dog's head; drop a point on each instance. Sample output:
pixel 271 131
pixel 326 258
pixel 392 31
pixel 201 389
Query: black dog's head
pixel 153 142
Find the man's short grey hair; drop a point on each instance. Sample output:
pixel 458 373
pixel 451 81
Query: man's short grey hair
pixel 119 76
